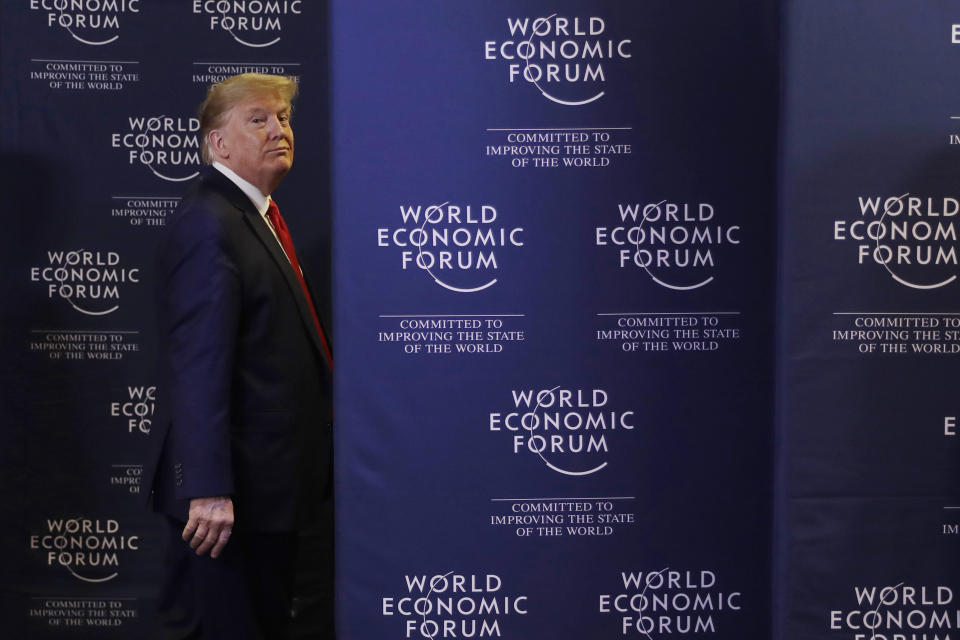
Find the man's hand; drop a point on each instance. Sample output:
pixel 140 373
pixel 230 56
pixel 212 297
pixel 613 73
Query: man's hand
pixel 209 524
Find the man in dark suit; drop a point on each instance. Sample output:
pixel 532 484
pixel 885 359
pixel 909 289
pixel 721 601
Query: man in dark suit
pixel 245 380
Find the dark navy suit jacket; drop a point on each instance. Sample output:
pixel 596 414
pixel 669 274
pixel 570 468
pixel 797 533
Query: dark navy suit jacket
pixel 244 397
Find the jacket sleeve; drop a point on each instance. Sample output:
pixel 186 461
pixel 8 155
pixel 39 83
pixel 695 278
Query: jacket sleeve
pixel 199 300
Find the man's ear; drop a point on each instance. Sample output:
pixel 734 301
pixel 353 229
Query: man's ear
pixel 217 144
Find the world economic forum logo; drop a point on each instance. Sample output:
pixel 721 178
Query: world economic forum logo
pixel 458 247
pixel 677 245
pixel 670 602
pixel 895 611
pixel 92 22
pixel 453 605
pixel 570 430
pixel 567 59
pixel 136 409
pixel 252 23
pixel 90 281
pixel 169 146
pixel 911 238
pixel 89 549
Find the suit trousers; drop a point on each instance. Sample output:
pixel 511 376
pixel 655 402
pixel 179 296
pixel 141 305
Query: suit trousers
pixel 244 594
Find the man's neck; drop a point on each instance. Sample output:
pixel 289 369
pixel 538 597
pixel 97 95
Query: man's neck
pixel 257 197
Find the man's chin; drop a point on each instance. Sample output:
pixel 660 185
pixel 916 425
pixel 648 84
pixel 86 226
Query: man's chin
pixel 280 170
pixel 281 163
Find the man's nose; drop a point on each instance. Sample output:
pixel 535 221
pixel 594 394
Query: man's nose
pixel 274 126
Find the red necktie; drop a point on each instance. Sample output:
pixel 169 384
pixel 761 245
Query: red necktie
pixel 283 234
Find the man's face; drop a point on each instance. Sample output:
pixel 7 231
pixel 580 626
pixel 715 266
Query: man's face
pixel 257 140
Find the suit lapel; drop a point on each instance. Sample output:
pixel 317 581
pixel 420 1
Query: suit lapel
pixel 261 229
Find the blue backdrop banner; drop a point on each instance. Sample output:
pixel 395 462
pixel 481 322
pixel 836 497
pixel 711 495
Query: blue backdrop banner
pixel 869 319
pixel 554 269
pixel 99 137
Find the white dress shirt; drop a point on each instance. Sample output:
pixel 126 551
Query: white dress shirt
pixel 260 201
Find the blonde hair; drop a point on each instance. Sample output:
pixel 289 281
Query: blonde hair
pixel 223 96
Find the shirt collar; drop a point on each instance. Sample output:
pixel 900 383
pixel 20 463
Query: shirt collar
pixel 259 200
